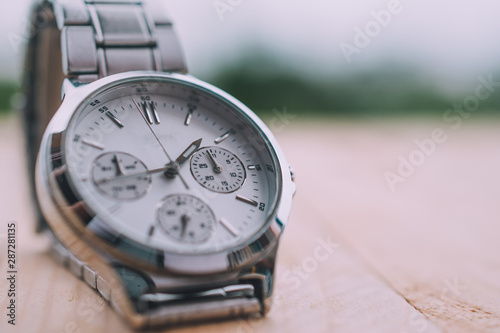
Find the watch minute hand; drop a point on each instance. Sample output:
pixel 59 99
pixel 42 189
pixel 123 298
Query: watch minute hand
pixel 186 154
pixel 149 172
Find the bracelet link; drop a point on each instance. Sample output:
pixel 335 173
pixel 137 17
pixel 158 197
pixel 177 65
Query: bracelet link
pixel 93 32
pixel 120 25
pixel 79 53
pixel 73 12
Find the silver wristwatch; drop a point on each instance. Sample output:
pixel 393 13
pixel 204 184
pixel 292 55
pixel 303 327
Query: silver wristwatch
pixel 162 192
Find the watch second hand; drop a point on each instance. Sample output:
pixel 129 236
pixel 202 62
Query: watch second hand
pixel 158 139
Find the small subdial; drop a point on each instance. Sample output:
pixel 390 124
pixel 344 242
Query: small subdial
pixel 218 169
pixel 120 176
pixel 186 218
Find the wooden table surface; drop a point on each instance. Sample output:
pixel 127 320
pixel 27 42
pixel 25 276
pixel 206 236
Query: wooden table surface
pixel 424 258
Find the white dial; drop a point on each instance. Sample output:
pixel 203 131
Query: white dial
pixel 186 218
pixel 218 169
pixel 159 126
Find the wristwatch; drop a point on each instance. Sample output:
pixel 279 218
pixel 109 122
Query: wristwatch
pixel 165 194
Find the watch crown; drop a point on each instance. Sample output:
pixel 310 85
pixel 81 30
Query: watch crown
pixel 292 173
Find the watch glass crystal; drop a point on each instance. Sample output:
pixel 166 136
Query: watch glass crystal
pixel 171 165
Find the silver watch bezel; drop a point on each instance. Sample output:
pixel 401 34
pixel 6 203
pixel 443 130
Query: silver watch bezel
pixel 54 199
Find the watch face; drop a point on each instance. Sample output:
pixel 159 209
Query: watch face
pixel 171 165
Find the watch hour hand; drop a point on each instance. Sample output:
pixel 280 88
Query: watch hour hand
pixel 173 167
pixel 186 154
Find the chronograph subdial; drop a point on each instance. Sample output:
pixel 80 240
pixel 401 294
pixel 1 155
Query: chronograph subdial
pixel 186 218
pixel 113 175
pixel 218 169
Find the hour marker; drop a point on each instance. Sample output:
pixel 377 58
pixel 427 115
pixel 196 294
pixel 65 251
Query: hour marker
pixel 114 119
pixel 155 113
pixel 229 227
pixel 188 117
pixel 147 112
pixel 246 200
pixel 251 167
pixel 151 231
pixel 223 137
pixel 94 144
pixel 152 109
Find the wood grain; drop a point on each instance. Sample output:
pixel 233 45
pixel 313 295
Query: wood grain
pixel 421 259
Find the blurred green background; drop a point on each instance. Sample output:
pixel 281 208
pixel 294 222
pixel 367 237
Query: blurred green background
pixel 7 93
pixel 273 55
pixel 263 83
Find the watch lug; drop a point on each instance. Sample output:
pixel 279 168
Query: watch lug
pixel 68 87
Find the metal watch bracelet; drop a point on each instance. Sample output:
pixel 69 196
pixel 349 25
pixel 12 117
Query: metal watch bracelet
pixel 87 40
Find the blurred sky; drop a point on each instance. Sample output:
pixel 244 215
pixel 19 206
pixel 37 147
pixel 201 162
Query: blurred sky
pixel 449 41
